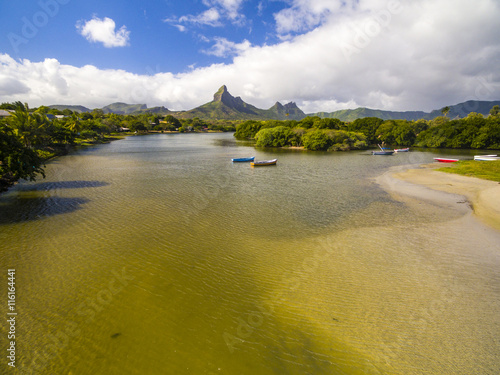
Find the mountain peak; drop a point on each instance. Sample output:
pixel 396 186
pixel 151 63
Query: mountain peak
pixel 226 106
pixel 222 94
pixel 288 111
pixel 277 106
pixel 291 105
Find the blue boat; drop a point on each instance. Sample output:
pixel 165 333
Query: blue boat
pixel 239 160
pixel 383 151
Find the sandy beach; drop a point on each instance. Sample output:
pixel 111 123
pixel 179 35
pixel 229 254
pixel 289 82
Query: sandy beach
pixel 446 190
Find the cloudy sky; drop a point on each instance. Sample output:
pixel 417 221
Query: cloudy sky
pixel 324 55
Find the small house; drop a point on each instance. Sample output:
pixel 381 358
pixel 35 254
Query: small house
pixel 4 113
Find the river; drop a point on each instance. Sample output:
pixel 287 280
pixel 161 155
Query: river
pixel 157 255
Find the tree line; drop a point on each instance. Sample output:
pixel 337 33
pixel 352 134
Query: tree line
pixel 314 133
pixel 28 137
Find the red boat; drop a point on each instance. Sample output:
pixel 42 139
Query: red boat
pixel 443 160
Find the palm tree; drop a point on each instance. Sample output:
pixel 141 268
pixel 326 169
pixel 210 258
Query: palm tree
pixel 445 111
pixel 20 123
pixel 495 110
pixel 74 124
pixel 29 127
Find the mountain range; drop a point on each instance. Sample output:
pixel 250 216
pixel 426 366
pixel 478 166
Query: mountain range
pixel 226 107
pixel 460 110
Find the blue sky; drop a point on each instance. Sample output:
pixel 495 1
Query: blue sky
pixel 154 39
pixel 323 54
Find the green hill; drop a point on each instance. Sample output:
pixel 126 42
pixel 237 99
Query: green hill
pixel 463 109
pixel 134 109
pixel 123 108
pixel 288 111
pixel 74 108
pixel 348 115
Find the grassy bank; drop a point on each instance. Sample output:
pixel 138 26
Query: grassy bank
pixel 487 170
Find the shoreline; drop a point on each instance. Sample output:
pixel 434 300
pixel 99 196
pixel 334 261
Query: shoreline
pixel 57 151
pixel 445 190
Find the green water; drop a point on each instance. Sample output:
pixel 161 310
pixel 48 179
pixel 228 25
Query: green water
pixel 157 255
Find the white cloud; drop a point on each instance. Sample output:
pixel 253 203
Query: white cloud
pixel 418 56
pixel 229 7
pixel 103 31
pixel 303 15
pixel 210 17
pixel 226 48
pixel 181 28
pixel 218 11
pixel 10 86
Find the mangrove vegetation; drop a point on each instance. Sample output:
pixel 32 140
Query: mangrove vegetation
pixel 314 133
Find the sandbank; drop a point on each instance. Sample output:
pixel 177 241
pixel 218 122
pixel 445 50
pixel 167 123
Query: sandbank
pixel 445 189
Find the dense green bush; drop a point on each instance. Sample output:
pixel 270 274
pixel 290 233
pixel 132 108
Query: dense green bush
pixel 368 126
pixel 474 131
pixel 328 123
pixel 399 132
pixel 279 136
pixel 342 140
pixel 316 140
pixel 248 129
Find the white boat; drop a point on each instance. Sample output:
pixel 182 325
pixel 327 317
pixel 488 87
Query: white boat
pixel 263 163
pixel 402 149
pixel 486 157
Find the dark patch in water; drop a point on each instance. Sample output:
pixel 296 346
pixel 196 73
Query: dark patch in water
pixel 115 335
pixel 46 186
pixel 32 208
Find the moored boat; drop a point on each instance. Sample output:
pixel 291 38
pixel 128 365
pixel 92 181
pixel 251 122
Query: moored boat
pixel 445 160
pixel 263 163
pixel 383 151
pixel 402 149
pixel 486 157
pixel 239 160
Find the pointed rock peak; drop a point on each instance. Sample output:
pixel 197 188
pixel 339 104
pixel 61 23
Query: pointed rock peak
pixel 222 94
pixel 222 90
pixel 291 105
pixel 277 105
